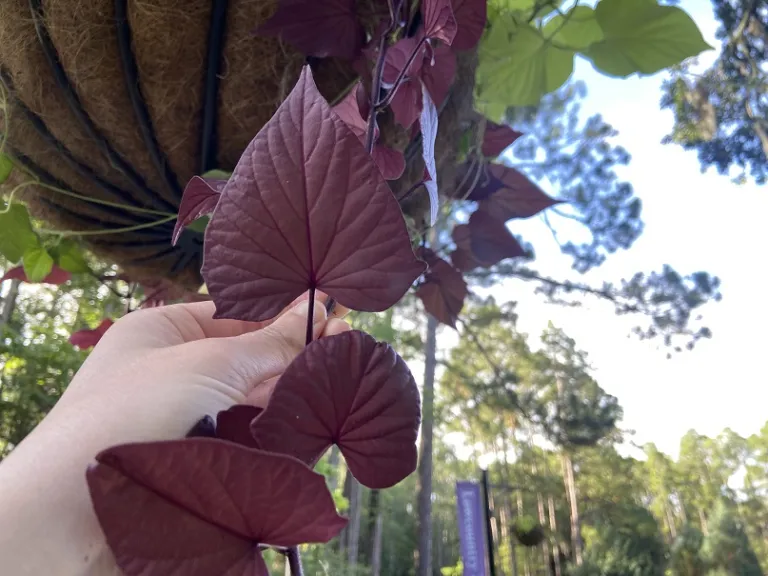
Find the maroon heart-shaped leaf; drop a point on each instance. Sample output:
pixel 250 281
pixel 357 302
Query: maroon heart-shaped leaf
pixel 506 193
pixel 443 290
pixel 407 99
pixel 199 199
pixel 351 391
pixel 348 109
pixel 321 28
pixel 491 241
pixel 391 162
pixel 438 75
pixel 470 16
pixel 497 138
pixel 439 22
pixel 398 57
pixel 84 339
pixel 202 506
pixel 234 424
pixel 428 123
pixel 305 208
pixel 56 276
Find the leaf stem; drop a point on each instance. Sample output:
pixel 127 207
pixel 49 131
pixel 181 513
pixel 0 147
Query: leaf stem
pixel 64 233
pixel 378 73
pixel 310 316
pixel 375 89
pixel 294 561
pixel 401 76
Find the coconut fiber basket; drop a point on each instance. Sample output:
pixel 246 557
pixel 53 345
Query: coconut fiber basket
pixel 126 100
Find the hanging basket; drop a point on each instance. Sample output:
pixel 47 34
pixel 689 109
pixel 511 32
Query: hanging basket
pixel 528 532
pixel 124 101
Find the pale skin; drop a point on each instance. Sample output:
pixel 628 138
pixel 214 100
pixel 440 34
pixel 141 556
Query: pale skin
pixel 154 374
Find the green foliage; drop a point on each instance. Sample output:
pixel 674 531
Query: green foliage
pixel 641 36
pixel 37 263
pixel 726 549
pixel 37 362
pixel 685 555
pixel 721 113
pixel 625 542
pixel 569 405
pixel 6 167
pixel 579 28
pixel 517 67
pixel 16 233
pixel 529 50
pixel 68 254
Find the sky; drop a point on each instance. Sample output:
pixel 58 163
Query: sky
pixel 693 221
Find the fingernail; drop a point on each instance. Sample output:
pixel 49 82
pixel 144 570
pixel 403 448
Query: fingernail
pixel 319 314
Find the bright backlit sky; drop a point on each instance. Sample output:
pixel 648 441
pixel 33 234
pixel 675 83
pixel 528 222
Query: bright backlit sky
pixel 694 221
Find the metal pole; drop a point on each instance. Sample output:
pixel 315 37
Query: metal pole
pixel 489 533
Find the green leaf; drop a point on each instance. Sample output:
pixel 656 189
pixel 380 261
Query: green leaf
pixel 69 256
pixel 518 66
pixel 16 233
pixel 6 167
pixel 37 263
pixel 578 29
pixel 200 224
pixel 218 174
pixel 641 36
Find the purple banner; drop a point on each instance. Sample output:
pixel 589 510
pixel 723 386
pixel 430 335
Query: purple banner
pixel 470 516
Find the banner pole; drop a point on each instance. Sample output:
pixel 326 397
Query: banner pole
pixel 487 506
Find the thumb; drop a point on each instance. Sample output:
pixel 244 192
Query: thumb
pixel 259 356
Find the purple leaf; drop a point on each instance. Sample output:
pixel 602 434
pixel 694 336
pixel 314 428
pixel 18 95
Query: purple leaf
pixel 497 138
pixel 199 199
pixel 391 162
pixel 428 122
pixel 85 339
pixel 320 28
pixel 470 16
pixel 234 424
pixel 306 207
pixel 439 21
pixel 406 104
pixel 56 276
pixel 443 290
pixel 490 240
pixel 407 100
pixel 349 390
pixel 349 111
pixel 201 506
pixel 507 193
pixel 439 74
pixel 397 58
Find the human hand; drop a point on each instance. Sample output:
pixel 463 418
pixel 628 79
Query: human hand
pixel 154 374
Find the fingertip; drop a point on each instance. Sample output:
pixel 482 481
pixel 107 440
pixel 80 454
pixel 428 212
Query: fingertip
pixel 335 326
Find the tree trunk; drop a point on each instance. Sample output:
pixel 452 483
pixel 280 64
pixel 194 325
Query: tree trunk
pixel 378 530
pixel 507 536
pixel 347 493
pixel 333 464
pixel 353 531
pixel 9 303
pixel 570 490
pixel 703 520
pixel 553 530
pixel 425 454
pixel 670 520
pixel 526 556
